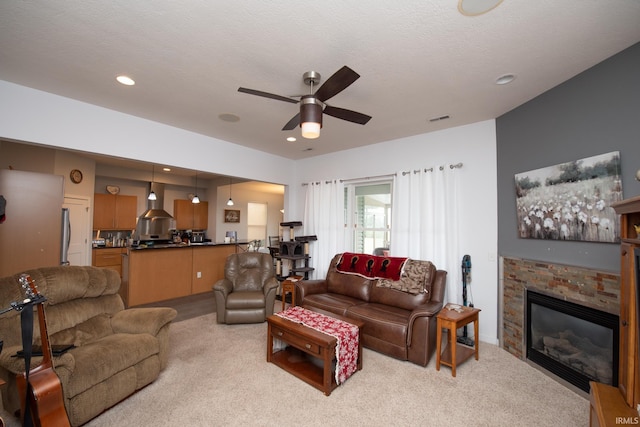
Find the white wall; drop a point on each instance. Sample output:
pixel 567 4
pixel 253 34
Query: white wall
pixel 34 116
pixel 39 117
pixel 473 145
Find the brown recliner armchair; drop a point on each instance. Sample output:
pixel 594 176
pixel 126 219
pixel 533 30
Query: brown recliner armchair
pixel 248 291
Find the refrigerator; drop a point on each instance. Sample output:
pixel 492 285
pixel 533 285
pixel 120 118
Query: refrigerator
pixel 35 231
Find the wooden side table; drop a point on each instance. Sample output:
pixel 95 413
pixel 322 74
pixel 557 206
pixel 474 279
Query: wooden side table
pixel 452 319
pixel 289 286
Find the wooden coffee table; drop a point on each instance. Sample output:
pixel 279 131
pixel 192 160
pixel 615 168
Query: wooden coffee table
pixel 303 345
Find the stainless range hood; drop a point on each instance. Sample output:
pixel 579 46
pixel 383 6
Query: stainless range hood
pixel 155 223
pixel 155 208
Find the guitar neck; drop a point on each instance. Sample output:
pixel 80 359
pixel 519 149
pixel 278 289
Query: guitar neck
pixel 44 337
pixel 37 299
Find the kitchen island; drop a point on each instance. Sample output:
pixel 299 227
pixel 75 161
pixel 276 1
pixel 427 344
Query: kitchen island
pixel 166 271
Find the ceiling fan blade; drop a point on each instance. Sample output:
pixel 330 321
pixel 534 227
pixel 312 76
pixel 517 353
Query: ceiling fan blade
pixel 335 84
pixel 267 95
pixel 348 115
pixel 293 123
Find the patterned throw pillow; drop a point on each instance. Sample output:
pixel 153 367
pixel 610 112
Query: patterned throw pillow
pixel 415 278
pixel 371 266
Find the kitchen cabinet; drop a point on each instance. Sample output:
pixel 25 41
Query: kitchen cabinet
pixel 158 274
pixel 208 266
pixel 191 216
pixel 113 259
pixel 114 212
pixel 108 258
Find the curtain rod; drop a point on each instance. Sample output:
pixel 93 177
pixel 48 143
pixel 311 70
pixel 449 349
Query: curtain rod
pixel 457 165
pixel 353 179
pixel 369 177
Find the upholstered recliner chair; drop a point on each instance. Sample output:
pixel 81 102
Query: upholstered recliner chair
pixel 248 291
pixel 117 351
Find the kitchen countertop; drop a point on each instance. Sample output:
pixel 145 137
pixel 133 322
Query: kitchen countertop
pixel 182 245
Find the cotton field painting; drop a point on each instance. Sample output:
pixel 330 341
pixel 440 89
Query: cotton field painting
pixel 571 201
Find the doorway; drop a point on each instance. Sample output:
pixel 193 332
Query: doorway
pixel 79 253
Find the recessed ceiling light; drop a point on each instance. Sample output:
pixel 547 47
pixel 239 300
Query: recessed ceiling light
pixel 166 169
pixel 291 139
pixel 477 7
pixel 125 80
pixel 228 117
pixel 505 79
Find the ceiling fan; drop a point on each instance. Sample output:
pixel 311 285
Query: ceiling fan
pixel 312 106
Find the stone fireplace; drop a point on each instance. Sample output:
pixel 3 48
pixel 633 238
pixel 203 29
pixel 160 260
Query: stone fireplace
pixel 563 319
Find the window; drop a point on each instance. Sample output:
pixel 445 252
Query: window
pixel 368 214
pixel 257 222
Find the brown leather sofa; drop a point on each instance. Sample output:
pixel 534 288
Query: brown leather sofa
pixel 397 323
pixel 117 351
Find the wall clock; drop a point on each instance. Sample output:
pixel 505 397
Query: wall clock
pixel 76 176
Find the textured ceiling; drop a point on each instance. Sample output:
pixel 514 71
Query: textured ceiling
pixel 418 59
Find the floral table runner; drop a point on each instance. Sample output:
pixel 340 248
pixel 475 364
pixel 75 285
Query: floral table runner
pixel 346 334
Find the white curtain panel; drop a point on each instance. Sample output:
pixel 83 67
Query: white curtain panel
pixel 324 217
pixel 425 221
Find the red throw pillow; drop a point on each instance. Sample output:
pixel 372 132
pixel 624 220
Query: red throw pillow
pixel 389 267
pixel 371 266
pixel 361 264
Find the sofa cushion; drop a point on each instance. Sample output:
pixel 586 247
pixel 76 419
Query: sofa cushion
pixel 384 322
pixel 99 360
pixel 61 285
pixel 86 332
pixel 245 299
pixel 334 303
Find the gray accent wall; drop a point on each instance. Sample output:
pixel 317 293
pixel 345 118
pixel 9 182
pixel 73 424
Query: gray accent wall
pixel 595 112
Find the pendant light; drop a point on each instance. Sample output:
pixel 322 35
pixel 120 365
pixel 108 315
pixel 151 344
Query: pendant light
pixel 152 194
pixel 230 201
pixel 196 199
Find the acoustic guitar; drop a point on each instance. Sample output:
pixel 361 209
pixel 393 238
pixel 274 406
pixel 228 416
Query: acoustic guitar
pixel 41 388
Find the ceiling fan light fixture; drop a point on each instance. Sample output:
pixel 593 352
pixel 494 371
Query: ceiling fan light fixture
pixel 310 130
pixel 310 117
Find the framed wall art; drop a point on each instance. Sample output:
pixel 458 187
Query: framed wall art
pixel 231 215
pixel 571 201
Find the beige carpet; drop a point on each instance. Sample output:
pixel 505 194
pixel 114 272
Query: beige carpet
pixel 218 376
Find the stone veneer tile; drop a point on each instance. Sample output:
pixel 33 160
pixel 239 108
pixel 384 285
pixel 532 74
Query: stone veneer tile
pixel 592 288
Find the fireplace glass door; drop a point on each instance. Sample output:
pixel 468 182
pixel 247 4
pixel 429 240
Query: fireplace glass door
pixel 577 343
